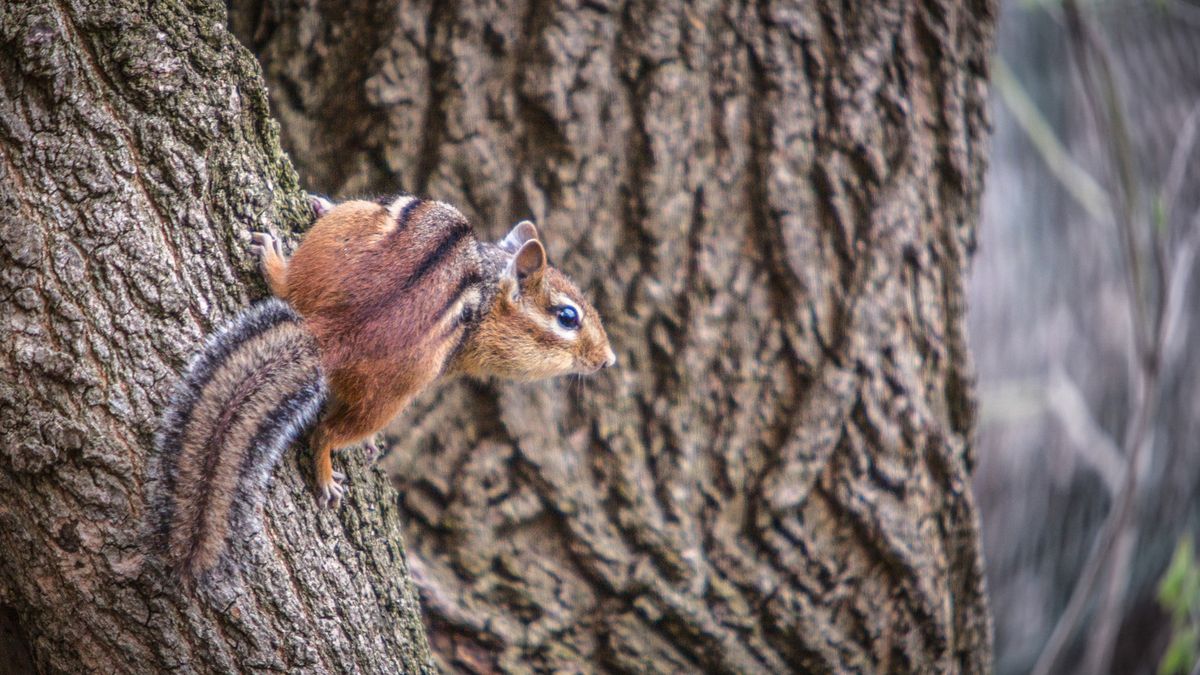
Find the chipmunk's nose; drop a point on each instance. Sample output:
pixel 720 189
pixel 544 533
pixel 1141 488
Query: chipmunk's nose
pixel 610 360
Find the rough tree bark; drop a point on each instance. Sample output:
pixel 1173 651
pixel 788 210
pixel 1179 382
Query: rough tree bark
pixel 774 208
pixel 135 145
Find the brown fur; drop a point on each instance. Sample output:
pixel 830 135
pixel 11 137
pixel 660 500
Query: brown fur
pixel 511 340
pixel 383 299
pixel 275 270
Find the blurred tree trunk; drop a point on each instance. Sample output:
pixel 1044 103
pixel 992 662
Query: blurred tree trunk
pixel 135 144
pixel 774 208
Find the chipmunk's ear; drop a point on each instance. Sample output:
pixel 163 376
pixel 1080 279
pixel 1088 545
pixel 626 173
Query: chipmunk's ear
pixel 523 232
pixel 528 264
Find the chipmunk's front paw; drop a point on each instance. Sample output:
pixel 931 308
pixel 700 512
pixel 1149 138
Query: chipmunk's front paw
pixel 330 494
pixel 264 246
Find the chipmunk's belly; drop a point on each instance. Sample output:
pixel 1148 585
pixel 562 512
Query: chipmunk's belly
pixel 386 347
pixel 383 387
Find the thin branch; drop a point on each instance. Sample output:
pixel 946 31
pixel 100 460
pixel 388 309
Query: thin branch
pixel 1108 615
pixel 1107 113
pixel 1109 533
pixel 1181 275
pixel 1090 440
pixel 1179 162
pixel 1075 179
pixel 1150 337
pixel 1016 401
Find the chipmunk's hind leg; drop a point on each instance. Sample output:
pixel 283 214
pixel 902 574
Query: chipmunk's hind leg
pixel 339 428
pixel 327 486
pixel 271 260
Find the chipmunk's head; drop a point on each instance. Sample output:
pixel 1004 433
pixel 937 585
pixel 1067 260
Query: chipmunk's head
pixel 539 324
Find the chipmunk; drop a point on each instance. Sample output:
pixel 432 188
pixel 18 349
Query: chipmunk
pixel 380 300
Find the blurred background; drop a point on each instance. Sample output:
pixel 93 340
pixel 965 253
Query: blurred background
pixel 1084 321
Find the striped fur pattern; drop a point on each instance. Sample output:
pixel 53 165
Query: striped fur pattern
pixel 255 386
pixel 375 280
pixel 388 290
pixel 399 292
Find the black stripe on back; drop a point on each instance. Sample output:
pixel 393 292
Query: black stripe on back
pixel 463 336
pixel 405 213
pixel 467 282
pixel 388 199
pixel 386 302
pixel 443 248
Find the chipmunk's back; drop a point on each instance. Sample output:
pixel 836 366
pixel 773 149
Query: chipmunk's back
pixel 385 281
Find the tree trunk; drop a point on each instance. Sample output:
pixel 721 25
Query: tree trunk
pixel 135 146
pixel 774 209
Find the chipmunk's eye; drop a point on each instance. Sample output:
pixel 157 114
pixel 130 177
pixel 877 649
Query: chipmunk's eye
pixel 568 317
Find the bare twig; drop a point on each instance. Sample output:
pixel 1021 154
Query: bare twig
pixel 1179 162
pixel 1103 634
pixel 1015 401
pixel 1151 335
pixel 1074 178
pixel 1139 436
pixel 1110 120
pixel 1181 276
pixel 1090 440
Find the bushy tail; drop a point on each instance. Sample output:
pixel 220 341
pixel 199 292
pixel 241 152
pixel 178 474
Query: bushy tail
pixel 255 386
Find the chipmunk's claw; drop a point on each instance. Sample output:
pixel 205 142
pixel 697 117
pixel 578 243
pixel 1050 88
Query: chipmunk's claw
pixel 330 496
pixel 263 246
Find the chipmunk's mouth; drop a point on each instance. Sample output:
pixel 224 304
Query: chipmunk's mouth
pixel 610 360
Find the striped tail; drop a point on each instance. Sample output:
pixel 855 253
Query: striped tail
pixel 255 386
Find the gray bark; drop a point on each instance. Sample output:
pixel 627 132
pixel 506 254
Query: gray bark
pixel 774 209
pixel 135 147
